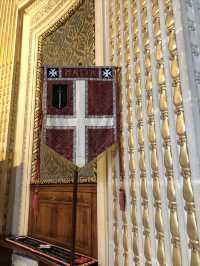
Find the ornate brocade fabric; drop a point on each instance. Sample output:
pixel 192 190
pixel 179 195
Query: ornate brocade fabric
pixel 55 169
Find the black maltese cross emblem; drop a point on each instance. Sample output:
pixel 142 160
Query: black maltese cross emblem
pixel 107 73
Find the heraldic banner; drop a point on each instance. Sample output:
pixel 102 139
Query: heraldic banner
pixel 79 111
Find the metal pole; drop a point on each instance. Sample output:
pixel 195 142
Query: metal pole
pixel 74 208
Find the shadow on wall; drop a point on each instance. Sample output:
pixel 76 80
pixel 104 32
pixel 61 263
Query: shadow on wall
pixel 9 195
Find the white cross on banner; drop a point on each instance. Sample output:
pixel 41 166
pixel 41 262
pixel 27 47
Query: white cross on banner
pixel 79 112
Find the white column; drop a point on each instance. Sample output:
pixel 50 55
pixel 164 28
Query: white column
pixel 102 201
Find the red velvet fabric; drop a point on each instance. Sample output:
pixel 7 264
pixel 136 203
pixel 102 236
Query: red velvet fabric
pixel 99 140
pixel 68 109
pixel 61 140
pixel 100 97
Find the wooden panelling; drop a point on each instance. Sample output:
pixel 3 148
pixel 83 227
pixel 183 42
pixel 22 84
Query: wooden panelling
pixel 53 222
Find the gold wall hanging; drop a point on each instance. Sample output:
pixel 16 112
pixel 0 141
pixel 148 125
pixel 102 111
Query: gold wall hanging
pixel 73 43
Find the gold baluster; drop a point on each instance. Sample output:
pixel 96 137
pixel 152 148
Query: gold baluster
pixel 181 133
pixel 131 153
pixel 118 8
pixel 140 128
pixel 152 135
pixel 174 228
pixel 113 152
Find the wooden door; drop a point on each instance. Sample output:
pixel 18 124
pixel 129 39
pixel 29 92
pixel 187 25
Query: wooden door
pixel 53 223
